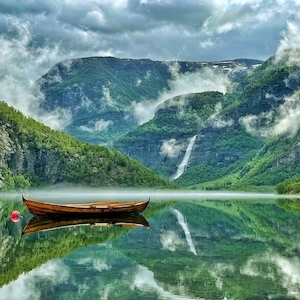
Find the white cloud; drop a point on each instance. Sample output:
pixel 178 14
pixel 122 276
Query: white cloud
pixel 94 263
pixel 144 280
pixel 206 79
pixel 284 120
pixel 107 97
pixel 94 18
pixel 171 148
pixel 100 125
pixel 221 270
pixel 170 240
pixel 18 67
pixel 290 44
pixel 100 265
pixel 207 43
pixel 57 119
pixel 221 122
pixel 144 111
pixel 283 270
pixel 26 286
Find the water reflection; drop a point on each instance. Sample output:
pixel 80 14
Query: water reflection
pixel 208 249
pixel 36 224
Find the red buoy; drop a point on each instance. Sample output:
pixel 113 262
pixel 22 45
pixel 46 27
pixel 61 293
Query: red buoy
pixel 15 216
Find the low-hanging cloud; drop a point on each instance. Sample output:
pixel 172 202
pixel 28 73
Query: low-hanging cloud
pixel 171 148
pixel 170 240
pixel 100 125
pixel 283 270
pixel 289 45
pixel 19 67
pixel 219 121
pixel 207 79
pixel 284 120
pixel 27 285
pixel 107 97
pixel 144 281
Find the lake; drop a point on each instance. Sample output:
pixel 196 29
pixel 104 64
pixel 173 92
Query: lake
pixel 180 248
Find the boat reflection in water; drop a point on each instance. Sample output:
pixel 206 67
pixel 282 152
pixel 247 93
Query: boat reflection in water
pixel 46 223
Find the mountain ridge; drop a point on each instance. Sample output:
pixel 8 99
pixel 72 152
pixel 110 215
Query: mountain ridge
pixel 230 149
pixel 245 124
pixel 107 96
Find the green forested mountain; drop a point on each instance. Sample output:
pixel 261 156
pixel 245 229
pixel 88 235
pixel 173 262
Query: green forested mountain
pixel 102 94
pixel 34 155
pixel 248 138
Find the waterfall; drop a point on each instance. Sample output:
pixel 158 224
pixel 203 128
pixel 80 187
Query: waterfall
pixel 182 222
pixel 183 165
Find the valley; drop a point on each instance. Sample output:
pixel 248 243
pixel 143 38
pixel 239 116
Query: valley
pixel 236 113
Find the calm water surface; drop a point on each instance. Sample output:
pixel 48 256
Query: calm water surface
pixel 192 249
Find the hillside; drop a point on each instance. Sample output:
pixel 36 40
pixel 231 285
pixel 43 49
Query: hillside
pixel 204 125
pixel 248 138
pixel 34 155
pixel 107 97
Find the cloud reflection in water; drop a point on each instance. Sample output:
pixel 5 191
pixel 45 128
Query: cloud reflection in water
pixel 55 272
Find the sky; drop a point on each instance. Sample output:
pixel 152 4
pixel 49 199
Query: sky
pixel 35 35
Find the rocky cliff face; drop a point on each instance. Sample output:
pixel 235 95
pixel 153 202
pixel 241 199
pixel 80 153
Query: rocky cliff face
pixel 31 162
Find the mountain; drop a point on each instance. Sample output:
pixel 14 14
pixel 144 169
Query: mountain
pixel 34 155
pixel 107 97
pixel 244 138
pixel 204 125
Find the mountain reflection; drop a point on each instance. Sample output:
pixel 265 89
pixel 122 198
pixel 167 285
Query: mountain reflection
pixel 192 249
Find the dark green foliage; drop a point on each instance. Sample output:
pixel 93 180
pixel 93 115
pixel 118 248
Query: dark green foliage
pixel 289 186
pixel 199 173
pixel 13 182
pixel 69 159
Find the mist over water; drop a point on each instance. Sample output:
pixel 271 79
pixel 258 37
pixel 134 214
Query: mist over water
pixel 84 194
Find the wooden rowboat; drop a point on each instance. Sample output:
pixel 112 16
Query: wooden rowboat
pixel 52 209
pixel 39 223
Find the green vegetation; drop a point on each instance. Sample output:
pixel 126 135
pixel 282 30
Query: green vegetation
pixel 235 147
pixel 42 156
pixel 231 239
pixel 289 186
pixel 13 182
pixel 102 88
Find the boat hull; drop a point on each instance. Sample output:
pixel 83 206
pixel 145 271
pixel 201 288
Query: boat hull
pixel 113 208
